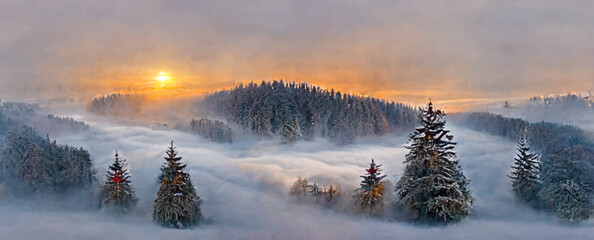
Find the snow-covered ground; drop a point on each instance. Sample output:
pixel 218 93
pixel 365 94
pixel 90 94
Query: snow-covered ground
pixel 244 186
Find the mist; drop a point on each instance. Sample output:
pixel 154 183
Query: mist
pixel 245 187
pixel 464 55
pixel 396 50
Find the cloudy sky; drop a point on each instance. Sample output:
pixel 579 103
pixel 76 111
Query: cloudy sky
pixel 400 50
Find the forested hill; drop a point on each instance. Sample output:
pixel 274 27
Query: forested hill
pixel 299 110
pixel 567 152
pixel 30 163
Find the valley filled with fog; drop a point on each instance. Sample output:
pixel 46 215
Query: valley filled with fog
pixel 245 184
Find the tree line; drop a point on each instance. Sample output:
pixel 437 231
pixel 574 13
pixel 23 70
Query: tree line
pixel 295 111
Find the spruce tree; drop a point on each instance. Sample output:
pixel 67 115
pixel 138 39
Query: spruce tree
pixel 433 187
pixel 571 201
pixel 525 172
pixel 117 193
pixel 565 189
pixel 177 204
pixel 369 197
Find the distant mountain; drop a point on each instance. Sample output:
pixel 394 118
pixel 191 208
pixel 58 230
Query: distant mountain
pixel 295 111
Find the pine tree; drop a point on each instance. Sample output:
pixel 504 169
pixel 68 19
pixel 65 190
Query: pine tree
pixel 572 202
pixel 525 172
pixel 117 193
pixel 177 204
pixel 565 190
pixel 369 197
pixel 433 187
pixel 291 131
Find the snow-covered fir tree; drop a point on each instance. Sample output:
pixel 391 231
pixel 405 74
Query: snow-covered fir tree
pixel 571 202
pixel 433 187
pixel 369 197
pixel 291 131
pixel 565 188
pixel 177 204
pixel 117 193
pixel 525 172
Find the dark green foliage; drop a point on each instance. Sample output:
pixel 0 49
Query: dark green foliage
pixel 433 188
pixel 117 193
pixel 32 164
pixel 177 204
pixel 525 173
pixel 293 111
pixel 369 197
pixel 212 130
pixel 567 190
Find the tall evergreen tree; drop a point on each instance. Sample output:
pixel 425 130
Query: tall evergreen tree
pixel 177 204
pixel 369 197
pixel 525 172
pixel 117 193
pixel 433 187
pixel 565 190
pixel 569 201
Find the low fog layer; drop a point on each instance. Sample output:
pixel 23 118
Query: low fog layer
pixel 579 111
pixel 244 186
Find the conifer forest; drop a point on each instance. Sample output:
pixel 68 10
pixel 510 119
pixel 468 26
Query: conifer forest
pixel 297 120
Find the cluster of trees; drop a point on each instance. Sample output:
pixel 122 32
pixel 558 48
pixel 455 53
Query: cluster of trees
pixel 566 101
pixel 117 104
pixel 433 188
pixel 27 114
pixel 294 111
pixel 213 130
pixel 559 179
pixel 177 204
pixel 304 192
pixel 32 164
pixel 369 199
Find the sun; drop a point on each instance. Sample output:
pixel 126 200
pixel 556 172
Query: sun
pixel 163 82
pixel 162 77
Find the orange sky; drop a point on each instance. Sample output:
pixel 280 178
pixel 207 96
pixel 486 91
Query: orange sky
pixel 455 52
